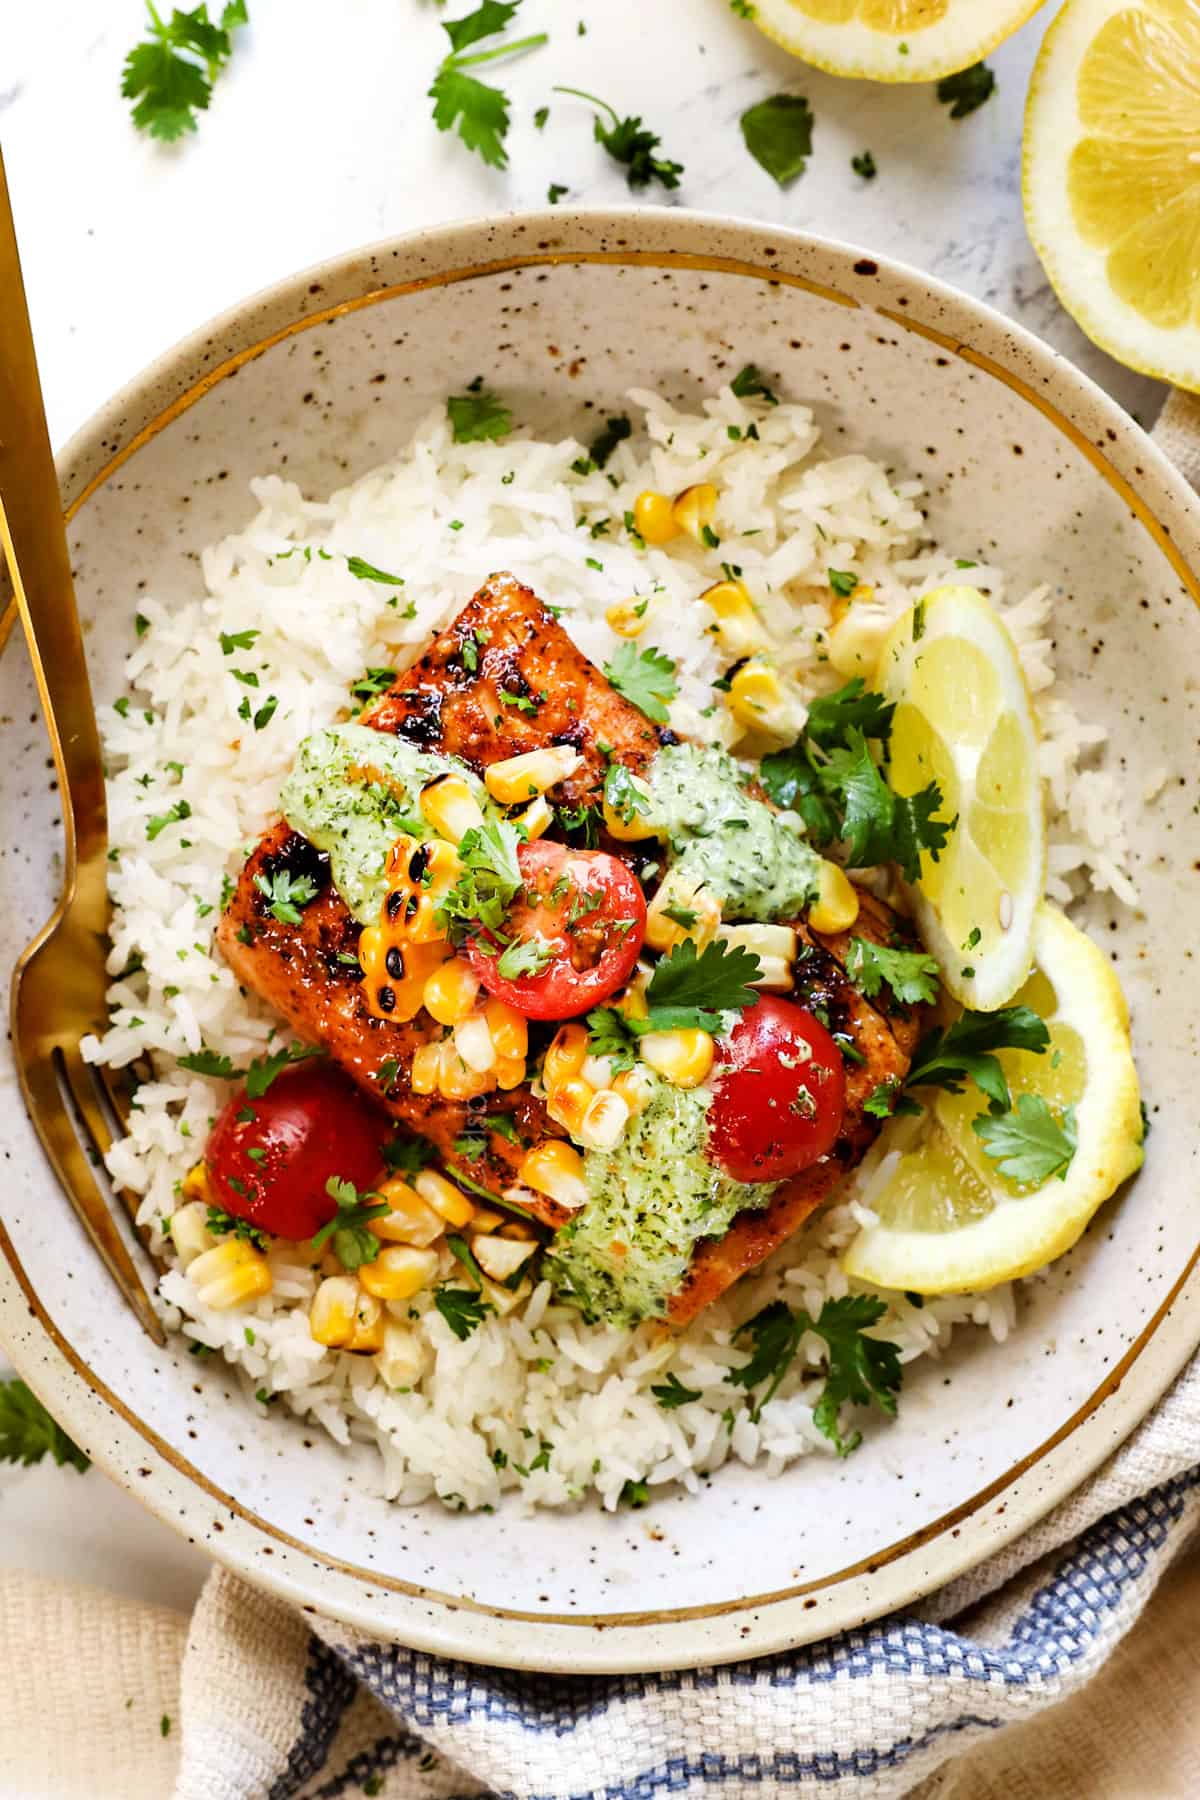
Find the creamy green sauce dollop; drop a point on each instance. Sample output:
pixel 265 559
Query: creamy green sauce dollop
pixel 650 1201
pixel 756 862
pixel 329 799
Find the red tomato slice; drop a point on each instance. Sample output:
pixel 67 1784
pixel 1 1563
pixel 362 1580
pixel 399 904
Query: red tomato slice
pixel 584 907
pixel 780 1094
pixel 269 1159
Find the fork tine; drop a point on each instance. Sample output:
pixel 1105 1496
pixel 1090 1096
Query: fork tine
pixel 49 1114
pixel 85 1093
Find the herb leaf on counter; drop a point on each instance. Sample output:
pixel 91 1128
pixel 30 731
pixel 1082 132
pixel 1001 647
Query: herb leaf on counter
pixel 28 1433
pixel 478 112
pixel 645 677
pixel 630 143
pixel 778 134
pixel 967 90
pixel 1028 1142
pixel 864 165
pixel 170 76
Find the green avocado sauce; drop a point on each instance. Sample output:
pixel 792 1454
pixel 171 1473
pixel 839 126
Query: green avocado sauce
pixel 330 799
pixel 755 861
pixel 650 1201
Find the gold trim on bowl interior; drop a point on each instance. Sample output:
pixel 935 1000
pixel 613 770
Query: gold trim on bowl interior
pixel 1161 537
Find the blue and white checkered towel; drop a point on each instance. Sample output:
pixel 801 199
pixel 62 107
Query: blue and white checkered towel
pixel 273 1708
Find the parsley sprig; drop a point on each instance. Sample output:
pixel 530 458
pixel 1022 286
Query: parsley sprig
pixel 949 1056
pixel 170 76
pixel 478 112
pixel 489 882
pixel 630 143
pixel 353 1243
pixel 1029 1144
pixel 645 677
pixel 28 1433
pixel 686 991
pixel 912 975
pixel 286 893
pixel 861 1368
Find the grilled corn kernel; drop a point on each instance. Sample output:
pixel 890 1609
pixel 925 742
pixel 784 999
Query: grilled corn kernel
pixel 520 778
pixel 500 1258
pixel 633 820
pixel 737 624
pixel 189 1231
pixel 635 1087
pixel 694 508
pixel 230 1274
pixel 401 1361
pixel 509 1029
pixel 856 640
pixel 509 1072
pixel 604 1121
pixel 536 818
pixel 758 701
pixel 566 1055
pixel 399 1272
pixel 449 1202
pixel 426 1069
pixel 332 1314
pixel 775 948
pixel 836 905
pixel 654 517
pixel 450 992
pixel 410 1221
pixel 448 804
pixel 420 875
pixel 195 1184
pixel 627 617
pixel 555 1169
pixel 569 1102
pixel 683 1058
pixel 688 899
pixel 485 1220
pixel 473 1041
pixel 598 1071
pixel 395 971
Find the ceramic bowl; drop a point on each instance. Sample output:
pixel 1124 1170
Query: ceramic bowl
pixel 1024 459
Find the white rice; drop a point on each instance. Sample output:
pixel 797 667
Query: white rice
pixel 447 515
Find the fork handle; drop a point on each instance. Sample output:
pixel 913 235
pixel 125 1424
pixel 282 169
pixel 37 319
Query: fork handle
pixel 34 539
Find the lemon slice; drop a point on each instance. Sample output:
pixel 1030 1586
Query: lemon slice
pixel 965 720
pixel 891 40
pixel 949 1221
pixel 1112 177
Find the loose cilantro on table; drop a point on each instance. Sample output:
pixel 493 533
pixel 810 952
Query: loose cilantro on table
pixel 353 1244
pixel 555 192
pixel 864 165
pixel 624 794
pixel 967 90
pixel 1028 1142
pixel 672 1393
pixel 861 1368
pixel 615 432
pixel 478 415
pixel 463 1309
pixel 912 975
pixel 170 76
pixel 226 1224
pixel 630 143
pixel 778 134
pixel 28 1433
pixel 372 682
pixel 285 894
pixel 478 112
pixel 748 384
pixel 949 1056
pixel 645 677
pixel 365 571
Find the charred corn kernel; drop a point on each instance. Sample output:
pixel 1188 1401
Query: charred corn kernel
pixel 410 1221
pixel 420 875
pixel 627 617
pixel 683 1058
pixel 569 1102
pixel 426 1069
pixel 635 1087
pixel 509 1029
pixel 456 1081
pixel 566 1055
pixel 195 1184
pixel 448 804
pixel 604 1121
pixel 775 948
pixel 473 1041
pixel 451 991
pixel 189 1231
pixel 509 1072
pixel 598 1071
pixel 694 508
pixel 500 1258
pixel 395 972
pixel 520 778
pixel 401 1361
pixel 836 905
pixel 737 624
pixel 449 1202
pixel 555 1169
pixel 654 517
pixel 634 820
pixel 758 700
pixel 230 1274
pixel 399 1272
pixel 331 1317
pixel 690 901
pixel 856 640
pixel 485 1220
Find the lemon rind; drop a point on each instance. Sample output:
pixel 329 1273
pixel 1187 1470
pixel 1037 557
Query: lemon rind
pixel 776 19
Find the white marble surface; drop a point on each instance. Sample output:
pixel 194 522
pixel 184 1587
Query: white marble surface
pixel 320 138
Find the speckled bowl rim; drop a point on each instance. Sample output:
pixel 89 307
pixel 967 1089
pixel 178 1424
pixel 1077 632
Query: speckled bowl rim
pixel 134 1455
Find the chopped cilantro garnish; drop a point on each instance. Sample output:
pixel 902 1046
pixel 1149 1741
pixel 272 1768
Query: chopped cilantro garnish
pixel 160 821
pixel 463 1309
pixel 948 1056
pixel 285 894
pixel 912 975
pixel 365 571
pixel 672 1393
pixel 624 794
pixel 645 677
pixel 226 1224
pixel 860 1368
pixel 353 1244
pixel 864 165
pixel 615 432
pixel 372 682
pixel 238 640
pixel 477 415
pixel 527 956
pixel 842 581
pixel 748 384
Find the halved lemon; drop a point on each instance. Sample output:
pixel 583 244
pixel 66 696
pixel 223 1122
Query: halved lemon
pixel 949 1221
pixel 891 40
pixel 1112 177
pixel 965 720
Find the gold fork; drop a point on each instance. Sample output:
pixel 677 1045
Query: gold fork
pixel 58 992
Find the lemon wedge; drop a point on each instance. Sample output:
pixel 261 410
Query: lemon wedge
pixel 964 719
pixel 949 1221
pixel 1112 177
pixel 891 40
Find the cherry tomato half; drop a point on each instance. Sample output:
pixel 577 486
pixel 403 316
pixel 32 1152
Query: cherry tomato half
pixel 584 907
pixel 309 1125
pixel 780 1093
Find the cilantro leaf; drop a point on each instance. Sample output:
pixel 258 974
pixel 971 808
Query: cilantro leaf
pixel 624 794
pixel 831 718
pixel 886 1100
pixel 912 975
pixel 630 143
pixel 947 1057
pixel 160 821
pixel 966 90
pixel 860 1368
pixel 489 18
pixel 479 112
pixel 264 1070
pixel 238 640
pixel 477 415
pixel 286 893
pixel 842 581
pixel 634 1495
pixel 371 682
pixel 463 1310
pixel 407 1155
pixel 611 1034
pixel 877 824
pixel 1029 1144
pixel 672 1393
pixel 490 879
pixel 688 990
pixel 224 1224
pixel 28 1433
pixel 526 956
pixel 645 677
pixel 208 1062
pixel 864 165
pixel 365 571
pixel 748 384
pixel 778 134
pixel 793 778
pixel 171 75
pixel 353 1244
pixel 615 432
